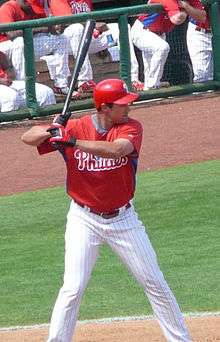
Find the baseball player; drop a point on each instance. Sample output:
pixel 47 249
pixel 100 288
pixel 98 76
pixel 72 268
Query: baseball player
pixel 99 42
pixel 101 153
pixel 13 93
pixel 149 35
pixel 199 40
pixel 44 43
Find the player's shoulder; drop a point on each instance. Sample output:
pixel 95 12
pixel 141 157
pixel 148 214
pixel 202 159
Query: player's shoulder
pixel 134 123
pixel 84 120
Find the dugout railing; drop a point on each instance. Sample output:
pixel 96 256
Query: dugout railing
pixel 121 16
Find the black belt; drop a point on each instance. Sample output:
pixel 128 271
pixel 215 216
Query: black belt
pixel 105 215
pixel 203 29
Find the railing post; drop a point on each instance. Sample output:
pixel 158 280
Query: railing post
pixel 30 72
pixel 125 59
pixel 215 23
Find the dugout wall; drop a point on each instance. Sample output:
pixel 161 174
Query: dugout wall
pixel 178 62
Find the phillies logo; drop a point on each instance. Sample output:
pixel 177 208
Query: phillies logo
pixel 89 162
pixel 79 7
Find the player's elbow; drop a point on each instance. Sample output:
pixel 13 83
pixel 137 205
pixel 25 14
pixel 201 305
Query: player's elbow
pixel 26 138
pixel 178 18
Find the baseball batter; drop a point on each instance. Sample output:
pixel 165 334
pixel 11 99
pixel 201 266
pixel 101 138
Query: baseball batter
pixel 103 157
pixel 149 35
pixel 199 40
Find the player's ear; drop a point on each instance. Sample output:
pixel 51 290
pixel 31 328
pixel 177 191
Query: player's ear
pixel 104 107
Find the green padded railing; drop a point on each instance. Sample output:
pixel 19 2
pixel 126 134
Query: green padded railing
pixel 121 16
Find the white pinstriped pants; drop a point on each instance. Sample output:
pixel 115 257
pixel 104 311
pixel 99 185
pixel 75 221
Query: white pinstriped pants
pixel 154 50
pixel 74 32
pixel 200 50
pixel 125 234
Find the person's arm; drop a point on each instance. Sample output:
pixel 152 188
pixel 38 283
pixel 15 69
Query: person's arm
pixel 195 13
pixel 105 149
pixel 178 18
pixel 36 135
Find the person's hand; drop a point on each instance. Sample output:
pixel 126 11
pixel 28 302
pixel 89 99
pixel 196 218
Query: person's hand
pixel 101 27
pixel 57 29
pixel 59 136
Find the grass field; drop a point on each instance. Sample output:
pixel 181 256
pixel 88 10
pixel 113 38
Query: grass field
pixel 180 206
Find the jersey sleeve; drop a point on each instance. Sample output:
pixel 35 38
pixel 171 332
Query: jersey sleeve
pixel 45 147
pixel 170 6
pixel 133 132
pixel 7 16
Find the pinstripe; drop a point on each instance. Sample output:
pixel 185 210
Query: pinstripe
pixel 126 235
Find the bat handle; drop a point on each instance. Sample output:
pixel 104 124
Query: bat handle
pixel 62 119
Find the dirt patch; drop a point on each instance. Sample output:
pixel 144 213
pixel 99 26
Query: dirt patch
pixel 174 133
pixel 202 329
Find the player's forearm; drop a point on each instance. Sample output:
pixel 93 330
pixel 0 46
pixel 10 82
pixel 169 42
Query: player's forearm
pixel 178 18
pixel 195 13
pixel 105 149
pixel 35 136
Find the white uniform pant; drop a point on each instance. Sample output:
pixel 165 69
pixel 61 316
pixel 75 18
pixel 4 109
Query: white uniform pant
pixel 200 50
pixel 7 47
pixel 154 50
pixel 74 31
pixel 56 46
pixel 125 234
pixel 14 97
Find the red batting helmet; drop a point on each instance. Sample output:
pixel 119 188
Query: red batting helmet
pixel 112 91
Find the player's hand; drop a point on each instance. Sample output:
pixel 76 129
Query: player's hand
pixel 59 136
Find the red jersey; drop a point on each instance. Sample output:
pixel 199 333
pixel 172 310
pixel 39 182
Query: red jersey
pixel 199 5
pixel 11 12
pixel 160 22
pixel 102 184
pixel 69 7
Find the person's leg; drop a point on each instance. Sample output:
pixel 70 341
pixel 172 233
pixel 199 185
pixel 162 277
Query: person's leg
pixel 45 95
pixel 6 47
pixel 81 252
pixel 58 65
pixel 113 27
pixel 73 33
pixel 154 51
pixel 9 99
pixel 200 50
pixel 17 58
pixel 130 241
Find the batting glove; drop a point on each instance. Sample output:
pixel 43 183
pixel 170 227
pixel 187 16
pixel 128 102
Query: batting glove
pixel 59 136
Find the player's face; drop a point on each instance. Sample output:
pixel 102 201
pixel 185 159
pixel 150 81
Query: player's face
pixel 119 113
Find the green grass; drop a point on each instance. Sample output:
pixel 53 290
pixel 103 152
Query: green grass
pixel 180 207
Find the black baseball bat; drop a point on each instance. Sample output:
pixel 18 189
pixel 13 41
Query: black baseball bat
pixel 83 48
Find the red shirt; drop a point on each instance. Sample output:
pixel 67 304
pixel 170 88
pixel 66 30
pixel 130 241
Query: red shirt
pixel 101 183
pixel 11 12
pixel 69 7
pixel 199 5
pixel 160 22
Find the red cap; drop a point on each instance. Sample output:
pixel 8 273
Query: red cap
pixel 112 91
